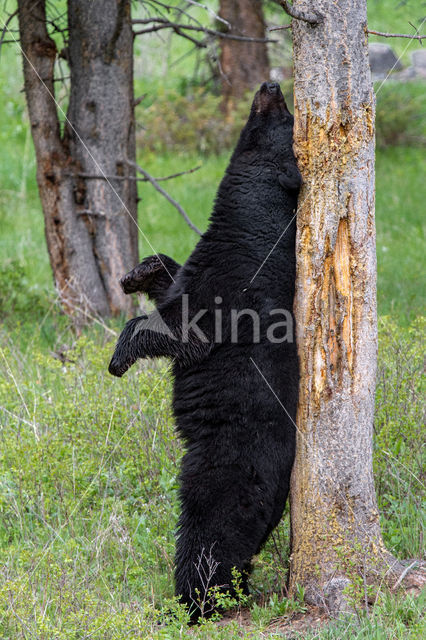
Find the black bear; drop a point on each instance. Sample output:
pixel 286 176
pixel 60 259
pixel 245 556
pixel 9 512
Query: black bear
pixel 235 367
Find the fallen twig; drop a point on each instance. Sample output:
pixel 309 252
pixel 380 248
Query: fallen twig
pixel 403 574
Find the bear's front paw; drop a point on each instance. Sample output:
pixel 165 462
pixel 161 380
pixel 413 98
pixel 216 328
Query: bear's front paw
pixel 290 178
pixel 128 348
pixel 117 367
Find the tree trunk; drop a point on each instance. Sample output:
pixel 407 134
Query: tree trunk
pixel 335 521
pixel 244 65
pixel 90 225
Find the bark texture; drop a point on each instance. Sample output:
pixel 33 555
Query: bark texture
pixel 335 521
pixel 244 65
pixel 90 230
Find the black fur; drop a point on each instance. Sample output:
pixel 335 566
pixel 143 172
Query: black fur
pixel 239 440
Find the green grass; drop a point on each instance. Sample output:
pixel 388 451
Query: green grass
pixel 88 496
pixel 394 16
pixel 400 197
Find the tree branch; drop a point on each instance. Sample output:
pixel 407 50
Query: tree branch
pixel 93 176
pixel 314 18
pixel 164 193
pixel 5 28
pixel 170 8
pixel 285 26
pixel 163 23
pixel 210 11
pixel 159 27
pixel 416 36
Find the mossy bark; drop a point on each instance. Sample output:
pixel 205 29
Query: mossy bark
pixel 335 521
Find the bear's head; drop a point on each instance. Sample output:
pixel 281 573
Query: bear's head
pixel 266 141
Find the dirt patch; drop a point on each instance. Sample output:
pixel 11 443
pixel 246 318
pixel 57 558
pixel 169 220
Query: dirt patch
pixel 310 620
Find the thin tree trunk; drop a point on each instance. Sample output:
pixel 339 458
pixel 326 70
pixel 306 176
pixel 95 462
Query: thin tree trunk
pixel 244 65
pixel 90 230
pixel 335 521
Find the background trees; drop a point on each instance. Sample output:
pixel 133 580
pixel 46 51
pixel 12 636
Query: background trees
pixel 243 65
pixel 91 225
pixel 85 172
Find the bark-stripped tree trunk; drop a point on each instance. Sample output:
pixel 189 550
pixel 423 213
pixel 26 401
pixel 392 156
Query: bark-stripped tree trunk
pixel 90 227
pixel 335 521
pixel 244 65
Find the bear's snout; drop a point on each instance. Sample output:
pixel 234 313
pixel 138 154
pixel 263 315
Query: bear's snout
pixel 271 87
pixel 269 98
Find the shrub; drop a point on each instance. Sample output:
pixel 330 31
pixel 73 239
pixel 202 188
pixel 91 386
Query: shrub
pixel 15 295
pixel 190 123
pixel 193 122
pixel 400 114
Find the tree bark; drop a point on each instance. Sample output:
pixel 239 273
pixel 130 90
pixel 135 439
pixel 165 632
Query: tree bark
pixel 90 228
pixel 334 517
pixel 244 65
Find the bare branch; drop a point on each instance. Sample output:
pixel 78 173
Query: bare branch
pixel 5 28
pixel 169 8
pixel 210 11
pixel 416 36
pixel 139 99
pixel 285 26
pixel 197 43
pixel 163 23
pixel 92 176
pixel 403 574
pixel 313 18
pixel 14 41
pixel 159 27
pixel 164 193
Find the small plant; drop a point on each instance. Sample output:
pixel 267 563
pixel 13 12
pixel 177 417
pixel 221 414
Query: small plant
pixel 277 608
pixel 224 600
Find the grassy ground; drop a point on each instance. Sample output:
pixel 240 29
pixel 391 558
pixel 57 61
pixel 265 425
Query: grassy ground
pixel 88 497
pixel 88 464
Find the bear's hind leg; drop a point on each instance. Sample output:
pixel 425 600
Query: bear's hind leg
pixel 225 515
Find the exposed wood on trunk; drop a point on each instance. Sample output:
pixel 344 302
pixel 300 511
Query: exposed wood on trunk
pixel 335 521
pixel 244 65
pixel 90 246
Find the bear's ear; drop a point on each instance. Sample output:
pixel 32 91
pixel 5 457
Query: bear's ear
pixel 290 178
